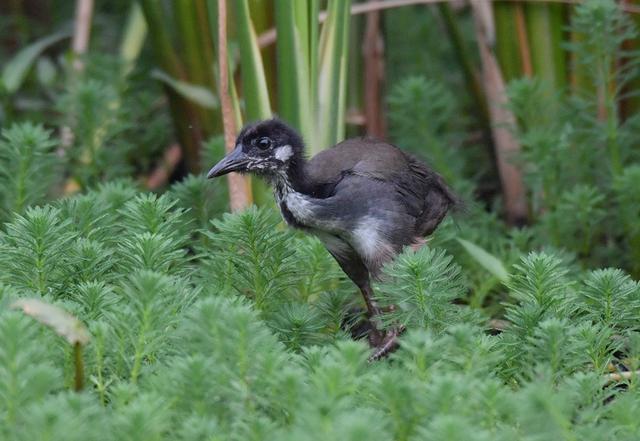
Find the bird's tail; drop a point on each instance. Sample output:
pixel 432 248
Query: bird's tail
pixel 439 199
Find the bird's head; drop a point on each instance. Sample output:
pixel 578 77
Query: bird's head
pixel 266 148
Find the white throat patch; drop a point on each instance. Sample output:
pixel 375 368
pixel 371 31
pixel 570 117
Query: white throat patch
pixel 284 153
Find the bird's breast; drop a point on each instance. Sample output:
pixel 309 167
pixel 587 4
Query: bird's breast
pixel 296 210
pixel 291 209
pixel 288 216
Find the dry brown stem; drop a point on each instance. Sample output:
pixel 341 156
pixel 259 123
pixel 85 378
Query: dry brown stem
pixel 506 145
pixel 81 32
pixel 160 175
pixel 239 189
pixel 373 53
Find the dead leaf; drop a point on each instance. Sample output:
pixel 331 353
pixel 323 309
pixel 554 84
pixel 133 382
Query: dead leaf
pixel 63 323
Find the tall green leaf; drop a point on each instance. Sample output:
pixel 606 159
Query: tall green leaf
pixel 133 38
pixel 331 91
pixel 485 259
pixel 544 26
pixel 312 83
pixel 254 82
pixel 506 47
pixel 293 75
pixel 16 70
pixel 197 94
pixel 186 117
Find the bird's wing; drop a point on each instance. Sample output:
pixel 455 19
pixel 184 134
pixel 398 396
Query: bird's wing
pixel 365 157
pixel 423 193
pixel 362 172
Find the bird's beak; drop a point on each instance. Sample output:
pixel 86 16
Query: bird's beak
pixel 234 161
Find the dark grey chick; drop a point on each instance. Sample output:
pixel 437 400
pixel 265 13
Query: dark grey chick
pixel 365 199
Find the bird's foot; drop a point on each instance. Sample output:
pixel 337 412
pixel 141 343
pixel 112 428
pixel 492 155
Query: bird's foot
pixel 375 336
pixel 386 343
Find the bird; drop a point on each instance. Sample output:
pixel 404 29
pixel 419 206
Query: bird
pixel 364 198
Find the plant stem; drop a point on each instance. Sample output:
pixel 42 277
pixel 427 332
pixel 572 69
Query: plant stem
pixel 373 52
pixel 544 26
pixel 139 351
pixel 507 48
pixel 99 363
pixel 506 146
pixel 239 187
pixel 79 367
pixel 81 33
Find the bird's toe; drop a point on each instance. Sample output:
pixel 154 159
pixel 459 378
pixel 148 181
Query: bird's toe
pixel 387 344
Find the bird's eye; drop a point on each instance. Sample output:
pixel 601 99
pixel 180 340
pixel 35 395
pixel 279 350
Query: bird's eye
pixel 263 143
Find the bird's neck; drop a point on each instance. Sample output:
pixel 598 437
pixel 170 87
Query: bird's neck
pixel 287 183
pixel 292 179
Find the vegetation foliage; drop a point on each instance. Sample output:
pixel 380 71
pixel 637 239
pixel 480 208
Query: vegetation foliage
pixel 237 330
pixel 212 326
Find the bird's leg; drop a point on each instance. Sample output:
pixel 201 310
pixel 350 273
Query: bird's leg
pixel 367 293
pixel 375 335
pixel 384 342
pixel 357 271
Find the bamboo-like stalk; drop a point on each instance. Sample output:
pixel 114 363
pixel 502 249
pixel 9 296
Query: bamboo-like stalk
pixel 81 32
pixel 235 104
pixel 523 41
pixel 373 54
pixel 254 82
pixel 341 85
pixel 79 46
pixel 239 187
pixel 355 73
pixel 544 26
pixel 507 48
pixel 506 145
